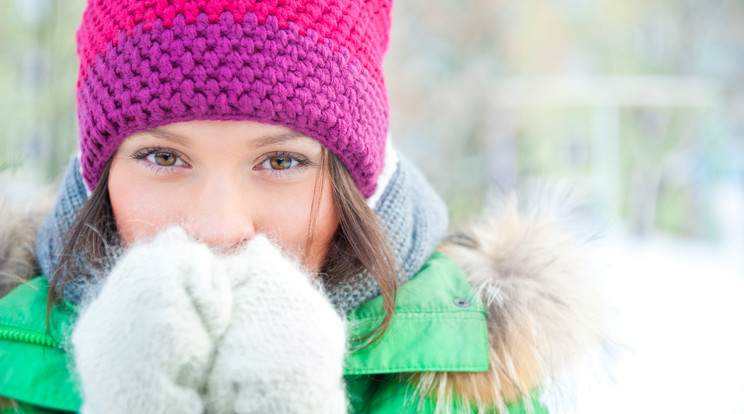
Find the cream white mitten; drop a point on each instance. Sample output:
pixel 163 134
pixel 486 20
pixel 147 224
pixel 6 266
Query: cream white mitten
pixel 284 349
pixel 146 342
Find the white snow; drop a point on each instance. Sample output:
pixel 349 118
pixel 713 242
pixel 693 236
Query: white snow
pixel 678 315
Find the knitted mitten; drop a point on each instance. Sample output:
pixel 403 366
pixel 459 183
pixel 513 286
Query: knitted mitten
pixel 283 351
pixel 145 344
pixel 176 329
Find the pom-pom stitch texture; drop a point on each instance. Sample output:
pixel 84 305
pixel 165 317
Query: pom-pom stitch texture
pixel 313 66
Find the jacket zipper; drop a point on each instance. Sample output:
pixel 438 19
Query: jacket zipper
pixel 28 337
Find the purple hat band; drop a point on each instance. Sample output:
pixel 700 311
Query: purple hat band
pixel 227 70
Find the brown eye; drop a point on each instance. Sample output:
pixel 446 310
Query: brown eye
pixel 281 163
pixel 165 159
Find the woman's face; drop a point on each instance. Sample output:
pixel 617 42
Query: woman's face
pixel 224 181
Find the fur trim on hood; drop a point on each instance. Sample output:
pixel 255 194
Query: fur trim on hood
pixel 18 228
pixel 543 311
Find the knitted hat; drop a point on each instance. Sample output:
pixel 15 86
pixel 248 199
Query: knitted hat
pixel 314 66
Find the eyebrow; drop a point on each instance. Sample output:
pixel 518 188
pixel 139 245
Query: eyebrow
pixel 278 139
pixel 261 142
pixel 159 133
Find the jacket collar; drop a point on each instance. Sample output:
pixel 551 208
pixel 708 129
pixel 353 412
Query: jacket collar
pixel 439 325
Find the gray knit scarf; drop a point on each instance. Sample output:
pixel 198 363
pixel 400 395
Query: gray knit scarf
pixel 414 216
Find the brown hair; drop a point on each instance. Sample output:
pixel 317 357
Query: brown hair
pixel 91 239
pixel 359 244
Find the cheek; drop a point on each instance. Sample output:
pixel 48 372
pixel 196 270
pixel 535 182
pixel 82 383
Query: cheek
pixel 288 218
pixel 137 212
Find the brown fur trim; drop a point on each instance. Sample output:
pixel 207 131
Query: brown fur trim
pixel 543 310
pixel 8 404
pixel 18 229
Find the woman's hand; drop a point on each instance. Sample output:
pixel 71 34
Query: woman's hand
pixel 146 343
pixel 284 349
pixel 177 329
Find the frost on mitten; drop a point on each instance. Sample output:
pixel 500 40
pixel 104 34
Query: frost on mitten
pixel 145 344
pixel 284 349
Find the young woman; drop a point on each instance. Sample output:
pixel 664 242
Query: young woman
pixel 237 236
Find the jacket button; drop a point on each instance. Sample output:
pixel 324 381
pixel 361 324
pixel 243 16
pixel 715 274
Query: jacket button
pixel 463 303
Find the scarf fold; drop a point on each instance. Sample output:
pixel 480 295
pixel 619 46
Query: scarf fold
pixel 414 216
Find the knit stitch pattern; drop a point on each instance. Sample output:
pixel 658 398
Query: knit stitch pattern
pixel 176 328
pixel 314 67
pixel 359 27
pixel 53 231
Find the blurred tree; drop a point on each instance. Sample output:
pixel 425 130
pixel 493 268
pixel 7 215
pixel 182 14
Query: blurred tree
pixel 452 66
pixel 37 77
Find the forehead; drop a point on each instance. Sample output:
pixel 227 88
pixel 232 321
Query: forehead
pixel 226 133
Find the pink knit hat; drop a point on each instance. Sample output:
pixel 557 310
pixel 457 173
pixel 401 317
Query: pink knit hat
pixel 314 66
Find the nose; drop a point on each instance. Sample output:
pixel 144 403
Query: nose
pixel 220 215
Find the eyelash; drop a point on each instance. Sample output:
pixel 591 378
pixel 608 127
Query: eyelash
pixel 302 162
pixel 142 154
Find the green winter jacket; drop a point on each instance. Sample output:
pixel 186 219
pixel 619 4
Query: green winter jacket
pixel 439 325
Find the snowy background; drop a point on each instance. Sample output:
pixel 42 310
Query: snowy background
pixel 678 314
